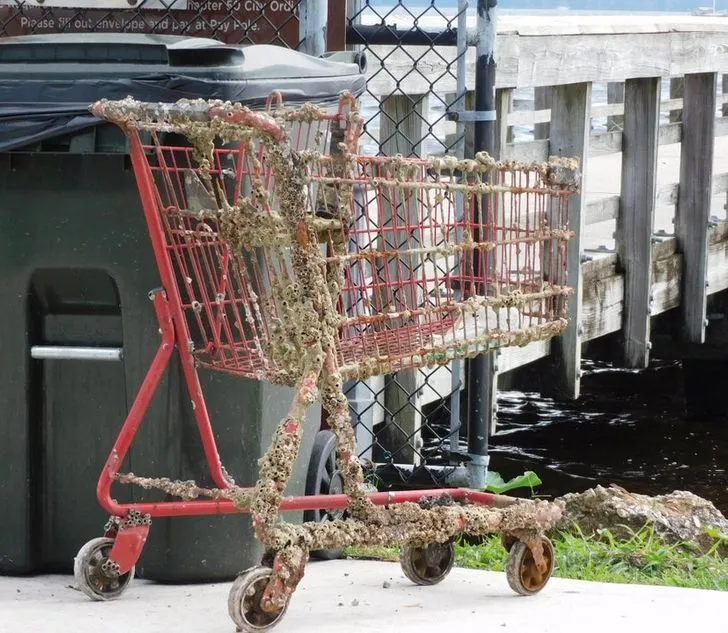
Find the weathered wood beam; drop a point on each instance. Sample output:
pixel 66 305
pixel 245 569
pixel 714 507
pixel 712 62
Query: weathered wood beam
pixel 677 91
pixel 543 100
pixel 693 207
pixel 402 129
pixel 403 124
pixel 503 131
pixel 570 125
pixel 538 60
pixel 603 143
pixel 636 215
pixel 615 94
pixel 603 293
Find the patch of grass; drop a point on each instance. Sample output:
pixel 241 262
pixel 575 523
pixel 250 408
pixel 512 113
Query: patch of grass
pixel 642 559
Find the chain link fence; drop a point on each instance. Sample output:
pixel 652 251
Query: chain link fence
pixel 410 419
pixel 409 423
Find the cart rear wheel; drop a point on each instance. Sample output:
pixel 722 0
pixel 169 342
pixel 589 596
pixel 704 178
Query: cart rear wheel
pixel 524 576
pixel 244 601
pixel 324 478
pixel 91 577
pixel 427 565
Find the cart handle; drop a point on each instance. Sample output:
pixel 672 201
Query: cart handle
pixel 259 120
pixel 124 112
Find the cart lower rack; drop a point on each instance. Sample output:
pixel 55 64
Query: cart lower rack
pixel 285 256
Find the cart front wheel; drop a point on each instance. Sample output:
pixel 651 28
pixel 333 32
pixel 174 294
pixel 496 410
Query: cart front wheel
pixel 427 565
pixel 91 575
pixel 524 576
pixel 244 602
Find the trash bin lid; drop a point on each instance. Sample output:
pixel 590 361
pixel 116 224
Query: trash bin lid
pixel 48 81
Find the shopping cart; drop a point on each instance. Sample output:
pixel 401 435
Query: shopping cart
pixel 285 256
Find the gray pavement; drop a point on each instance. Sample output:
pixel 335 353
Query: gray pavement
pixel 349 596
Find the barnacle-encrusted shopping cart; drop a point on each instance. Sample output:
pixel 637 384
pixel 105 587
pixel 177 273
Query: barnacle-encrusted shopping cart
pixel 285 256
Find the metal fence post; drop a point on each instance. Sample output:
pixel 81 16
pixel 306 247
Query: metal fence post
pixel 480 370
pixel 313 17
pixel 462 48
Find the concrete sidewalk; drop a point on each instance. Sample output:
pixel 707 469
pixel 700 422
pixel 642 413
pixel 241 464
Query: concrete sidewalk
pixel 349 596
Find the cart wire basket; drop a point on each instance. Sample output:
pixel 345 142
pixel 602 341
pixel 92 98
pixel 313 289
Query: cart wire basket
pixel 285 256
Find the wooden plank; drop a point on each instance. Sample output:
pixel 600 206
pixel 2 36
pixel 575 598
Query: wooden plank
pixel 602 210
pixel 667 195
pixel 720 183
pixel 635 221
pixel 603 294
pixel 721 127
pixel 538 60
pixel 718 253
pixel 503 105
pixel 401 131
pixel 603 301
pixel 611 57
pixel 603 143
pixel 666 279
pixel 570 137
pixel 514 357
pixel 615 95
pixel 438 384
pixel 534 151
pixel 677 91
pixel 671 133
pixel 543 100
pixel 693 209
pixel 717 267
pixel 718 232
pixel 578 24
pixel 600 267
pixel 402 124
pixel 529 117
pixel 607 109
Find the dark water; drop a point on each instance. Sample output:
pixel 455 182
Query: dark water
pixel 628 428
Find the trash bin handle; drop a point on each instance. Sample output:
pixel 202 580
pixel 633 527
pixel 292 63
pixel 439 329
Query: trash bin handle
pixel 69 352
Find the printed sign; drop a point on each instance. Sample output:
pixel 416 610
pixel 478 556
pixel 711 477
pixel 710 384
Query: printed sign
pixel 231 21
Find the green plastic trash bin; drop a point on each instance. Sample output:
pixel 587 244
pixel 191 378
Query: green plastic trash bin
pixel 78 329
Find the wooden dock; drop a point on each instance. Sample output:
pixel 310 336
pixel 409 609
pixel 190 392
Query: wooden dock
pixel 651 227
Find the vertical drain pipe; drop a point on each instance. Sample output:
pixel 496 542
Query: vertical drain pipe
pixel 479 370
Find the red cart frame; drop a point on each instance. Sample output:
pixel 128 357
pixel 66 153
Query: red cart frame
pixel 285 256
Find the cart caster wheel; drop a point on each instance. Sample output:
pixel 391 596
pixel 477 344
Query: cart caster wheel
pixel 522 573
pixel 324 478
pixel 90 575
pixel 244 601
pixel 427 565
